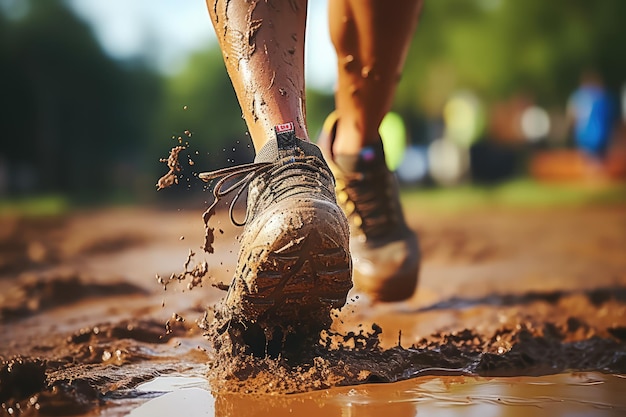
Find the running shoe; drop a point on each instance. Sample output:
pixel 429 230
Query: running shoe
pixel 385 252
pixel 294 263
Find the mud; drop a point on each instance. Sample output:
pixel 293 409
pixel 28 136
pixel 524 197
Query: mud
pixel 35 293
pixel 508 294
pixel 78 372
pixel 336 359
pixel 590 394
pixel 173 165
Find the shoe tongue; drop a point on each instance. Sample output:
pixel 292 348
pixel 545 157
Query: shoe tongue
pixel 368 158
pixel 268 153
pixel 286 145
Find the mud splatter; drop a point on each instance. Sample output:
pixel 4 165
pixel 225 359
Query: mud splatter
pixel 267 357
pixel 241 43
pixel 209 232
pixel 355 358
pixel 174 167
pixel 196 275
pixel 79 366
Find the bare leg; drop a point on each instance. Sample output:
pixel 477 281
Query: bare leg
pixel 372 39
pixel 263 47
pixel 294 262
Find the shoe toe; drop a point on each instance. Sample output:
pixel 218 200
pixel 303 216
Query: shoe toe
pixel 389 271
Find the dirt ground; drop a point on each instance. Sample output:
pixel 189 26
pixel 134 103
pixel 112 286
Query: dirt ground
pixel 85 318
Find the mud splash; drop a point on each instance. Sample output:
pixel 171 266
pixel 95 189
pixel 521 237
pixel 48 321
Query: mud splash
pixel 171 178
pixel 268 357
pixel 101 364
pixel 355 358
pixel 173 166
pixel 251 360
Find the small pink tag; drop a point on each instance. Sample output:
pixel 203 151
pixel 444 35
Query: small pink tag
pixel 285 127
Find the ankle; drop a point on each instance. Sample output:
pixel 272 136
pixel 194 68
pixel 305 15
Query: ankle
pixel 264 131
pixel 349 140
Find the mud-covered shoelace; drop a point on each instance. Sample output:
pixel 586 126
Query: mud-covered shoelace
pixel 367 196
pixel 249 171
pixel 308 176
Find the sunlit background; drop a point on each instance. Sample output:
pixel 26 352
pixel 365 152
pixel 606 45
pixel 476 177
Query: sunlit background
pixel 94 92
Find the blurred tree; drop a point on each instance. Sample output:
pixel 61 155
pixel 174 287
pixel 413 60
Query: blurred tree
pixel 495 47
pixel 73 120
pixel 201 100
pixel 499 47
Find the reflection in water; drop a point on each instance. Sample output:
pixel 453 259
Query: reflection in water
pixel 187 402
pixel 588 394
pixel 346 403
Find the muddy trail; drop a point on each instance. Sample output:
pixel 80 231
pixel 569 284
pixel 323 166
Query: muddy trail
pixel 94 304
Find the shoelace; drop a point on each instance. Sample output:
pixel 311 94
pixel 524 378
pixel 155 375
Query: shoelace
pixel 251 171
pixel 376 211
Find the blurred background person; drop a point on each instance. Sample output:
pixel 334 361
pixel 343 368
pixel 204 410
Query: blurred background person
pixel 592 111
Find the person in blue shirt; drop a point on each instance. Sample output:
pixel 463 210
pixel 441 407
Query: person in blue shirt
pixel 592 111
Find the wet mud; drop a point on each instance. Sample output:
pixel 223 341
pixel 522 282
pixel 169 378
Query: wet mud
pixel 174 168
pixel 81 333
pixel 35 293
pixel 338 359
pixel 75 373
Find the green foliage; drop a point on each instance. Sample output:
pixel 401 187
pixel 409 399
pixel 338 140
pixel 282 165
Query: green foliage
pixel 72 119
pixel 520 193
pixel 500 47
pixel 201 100
pixel 85 125
pixel 40 206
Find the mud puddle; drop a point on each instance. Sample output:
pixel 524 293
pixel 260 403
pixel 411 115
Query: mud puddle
pixel 588 394
pixel 113 368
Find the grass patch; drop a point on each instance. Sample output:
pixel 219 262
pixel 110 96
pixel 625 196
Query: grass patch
pixel 523 193
pixel 35 206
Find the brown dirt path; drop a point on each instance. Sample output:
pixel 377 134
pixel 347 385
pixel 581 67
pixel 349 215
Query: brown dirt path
pixel 83 318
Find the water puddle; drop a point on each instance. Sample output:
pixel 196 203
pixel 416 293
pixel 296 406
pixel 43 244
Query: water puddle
pixel 579 394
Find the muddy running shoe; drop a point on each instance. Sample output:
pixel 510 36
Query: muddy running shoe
pixel 384 250
pixel 294 263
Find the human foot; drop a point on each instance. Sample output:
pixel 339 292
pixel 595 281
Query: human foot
pixel 384 250
pixel 294 264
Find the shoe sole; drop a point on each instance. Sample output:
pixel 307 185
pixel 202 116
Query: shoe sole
pixel 299 278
